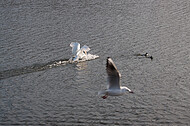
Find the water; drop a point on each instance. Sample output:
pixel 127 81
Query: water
pixel 35 35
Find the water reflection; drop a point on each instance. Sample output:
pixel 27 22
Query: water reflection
pixel 81 66
pixel 82 73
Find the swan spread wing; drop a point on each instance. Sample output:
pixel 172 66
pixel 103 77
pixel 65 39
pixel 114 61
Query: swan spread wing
pixel 85 48
pixel 75 47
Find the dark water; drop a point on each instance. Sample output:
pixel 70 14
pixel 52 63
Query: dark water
pixel 36 34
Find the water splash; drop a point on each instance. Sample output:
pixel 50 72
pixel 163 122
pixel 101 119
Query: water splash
pixel 33 68
pixel 40 67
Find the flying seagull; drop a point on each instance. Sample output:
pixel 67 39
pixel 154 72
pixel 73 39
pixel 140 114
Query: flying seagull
pixel 114 87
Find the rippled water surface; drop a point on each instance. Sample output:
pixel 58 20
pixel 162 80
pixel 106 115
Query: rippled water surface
pixel 35 89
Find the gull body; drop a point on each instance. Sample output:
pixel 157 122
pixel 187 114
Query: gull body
pixel 114 87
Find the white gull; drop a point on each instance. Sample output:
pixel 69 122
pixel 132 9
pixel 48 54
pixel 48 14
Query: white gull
pixel 114 87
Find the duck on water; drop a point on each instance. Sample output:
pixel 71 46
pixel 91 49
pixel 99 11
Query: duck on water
pixel 145 55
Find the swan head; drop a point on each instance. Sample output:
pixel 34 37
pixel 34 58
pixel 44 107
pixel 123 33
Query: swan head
pixel 85 52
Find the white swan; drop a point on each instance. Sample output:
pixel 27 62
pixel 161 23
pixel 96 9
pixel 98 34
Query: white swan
pixel 114 87
pixel 79 53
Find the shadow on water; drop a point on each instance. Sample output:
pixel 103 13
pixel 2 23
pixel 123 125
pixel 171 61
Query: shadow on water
pixel 33 68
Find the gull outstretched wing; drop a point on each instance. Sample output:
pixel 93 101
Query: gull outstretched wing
pixel 113 75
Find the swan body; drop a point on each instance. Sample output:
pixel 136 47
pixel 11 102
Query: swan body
pixel 81 53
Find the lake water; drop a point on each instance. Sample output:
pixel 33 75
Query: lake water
pixel 35 35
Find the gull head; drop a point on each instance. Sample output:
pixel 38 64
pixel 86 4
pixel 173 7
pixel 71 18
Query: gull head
pixel 125 89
